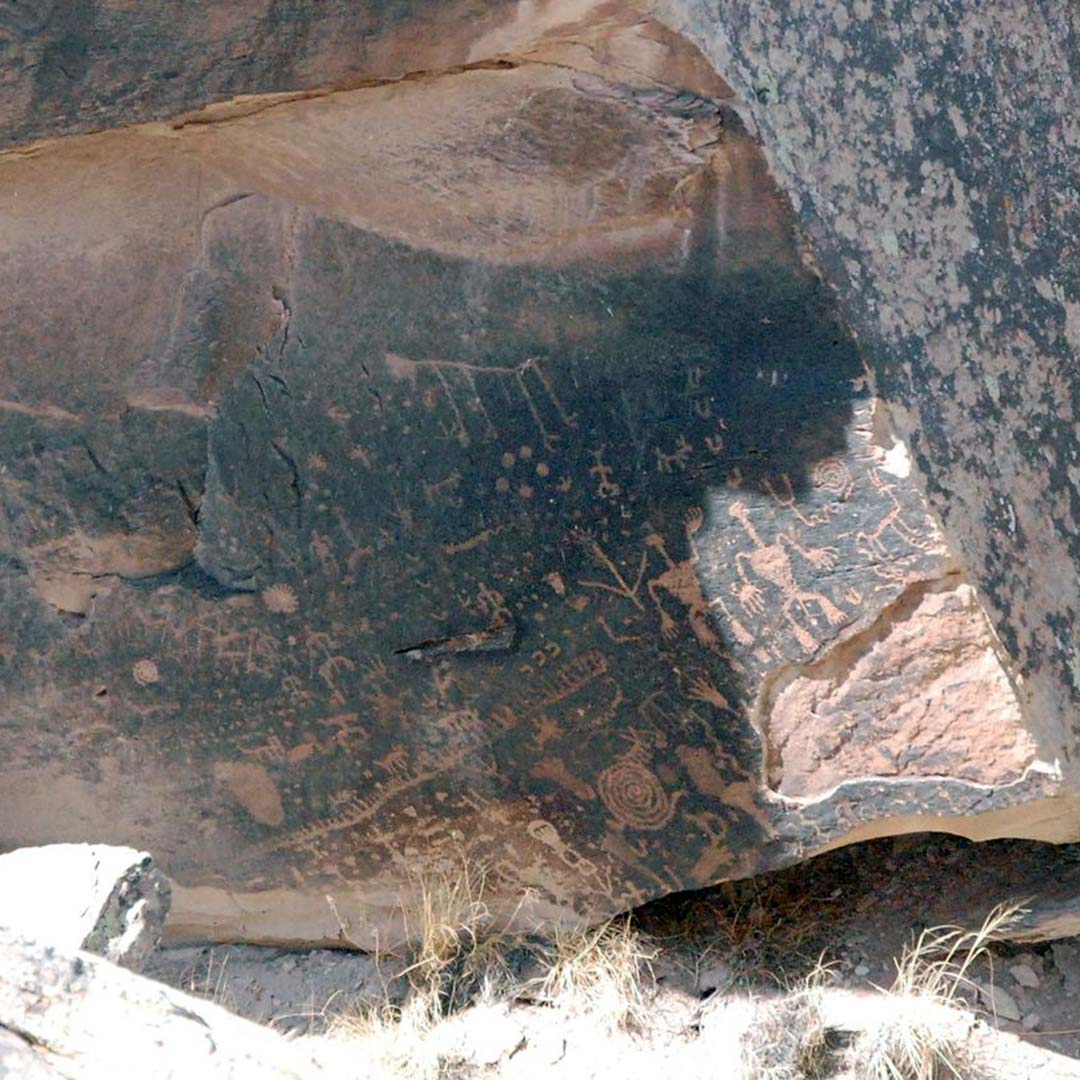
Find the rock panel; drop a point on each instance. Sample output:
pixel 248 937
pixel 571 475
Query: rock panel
pixel 377 495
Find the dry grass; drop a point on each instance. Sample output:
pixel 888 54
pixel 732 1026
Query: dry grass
pixel 458 956
pixel 763 931
pixel 790 1039
pixel 918 1042
pixel 452 957
pixel 604 972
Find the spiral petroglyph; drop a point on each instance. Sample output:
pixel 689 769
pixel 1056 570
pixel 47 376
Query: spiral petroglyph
pixel 634 796
pixel 834 476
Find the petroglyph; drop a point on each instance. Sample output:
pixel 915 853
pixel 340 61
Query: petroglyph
pixel 680 581
pixel 633 795
pixel 605 487
pixel 772 563
pixel 871 541
pixel 459 383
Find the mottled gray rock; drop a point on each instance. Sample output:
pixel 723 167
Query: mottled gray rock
pixel 931 151
pixel 108 900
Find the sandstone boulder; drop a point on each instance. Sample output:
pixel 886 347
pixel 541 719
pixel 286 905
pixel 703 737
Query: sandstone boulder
pixel 111 901
pixel 74 1015
pixel 931 154
pixel 473 465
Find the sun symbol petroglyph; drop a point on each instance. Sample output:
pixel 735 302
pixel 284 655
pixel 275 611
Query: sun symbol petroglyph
pixel 280 599
pixel 145 672
pixel 633 795
pixel 772 563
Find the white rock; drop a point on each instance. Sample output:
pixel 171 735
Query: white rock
pixel 1024 975
pixel 108 900
pixel 718 976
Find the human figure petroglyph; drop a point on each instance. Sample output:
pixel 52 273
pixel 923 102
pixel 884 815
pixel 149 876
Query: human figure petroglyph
pixel 606 488
pixel 680 581
pixel 318 645
pixel 329 668
pixel 741 634
pixel 296 690
pixel 323 550
pixel 677 459
pixel 772 563
pixel 788 502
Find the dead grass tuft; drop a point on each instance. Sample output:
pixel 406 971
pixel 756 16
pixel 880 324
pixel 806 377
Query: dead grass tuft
pixel 790 1039
pixel 918 1042
pixel 604 972
pixel 458 955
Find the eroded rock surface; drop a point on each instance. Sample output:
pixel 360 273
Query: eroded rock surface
pixel 473 464
pixel 74 1015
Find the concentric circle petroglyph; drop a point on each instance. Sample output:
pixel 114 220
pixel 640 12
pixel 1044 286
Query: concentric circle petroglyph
pixel 834 476
pixel 634 796
pixel 145 672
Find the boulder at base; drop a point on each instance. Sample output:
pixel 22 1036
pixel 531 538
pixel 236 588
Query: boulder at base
pixel 108 900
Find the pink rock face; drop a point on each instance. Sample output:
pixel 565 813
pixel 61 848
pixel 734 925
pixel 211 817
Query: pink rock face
pixel 920 693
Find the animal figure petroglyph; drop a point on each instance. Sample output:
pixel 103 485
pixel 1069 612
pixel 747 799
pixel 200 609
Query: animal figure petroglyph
pixel 871 542
pixel 772 563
